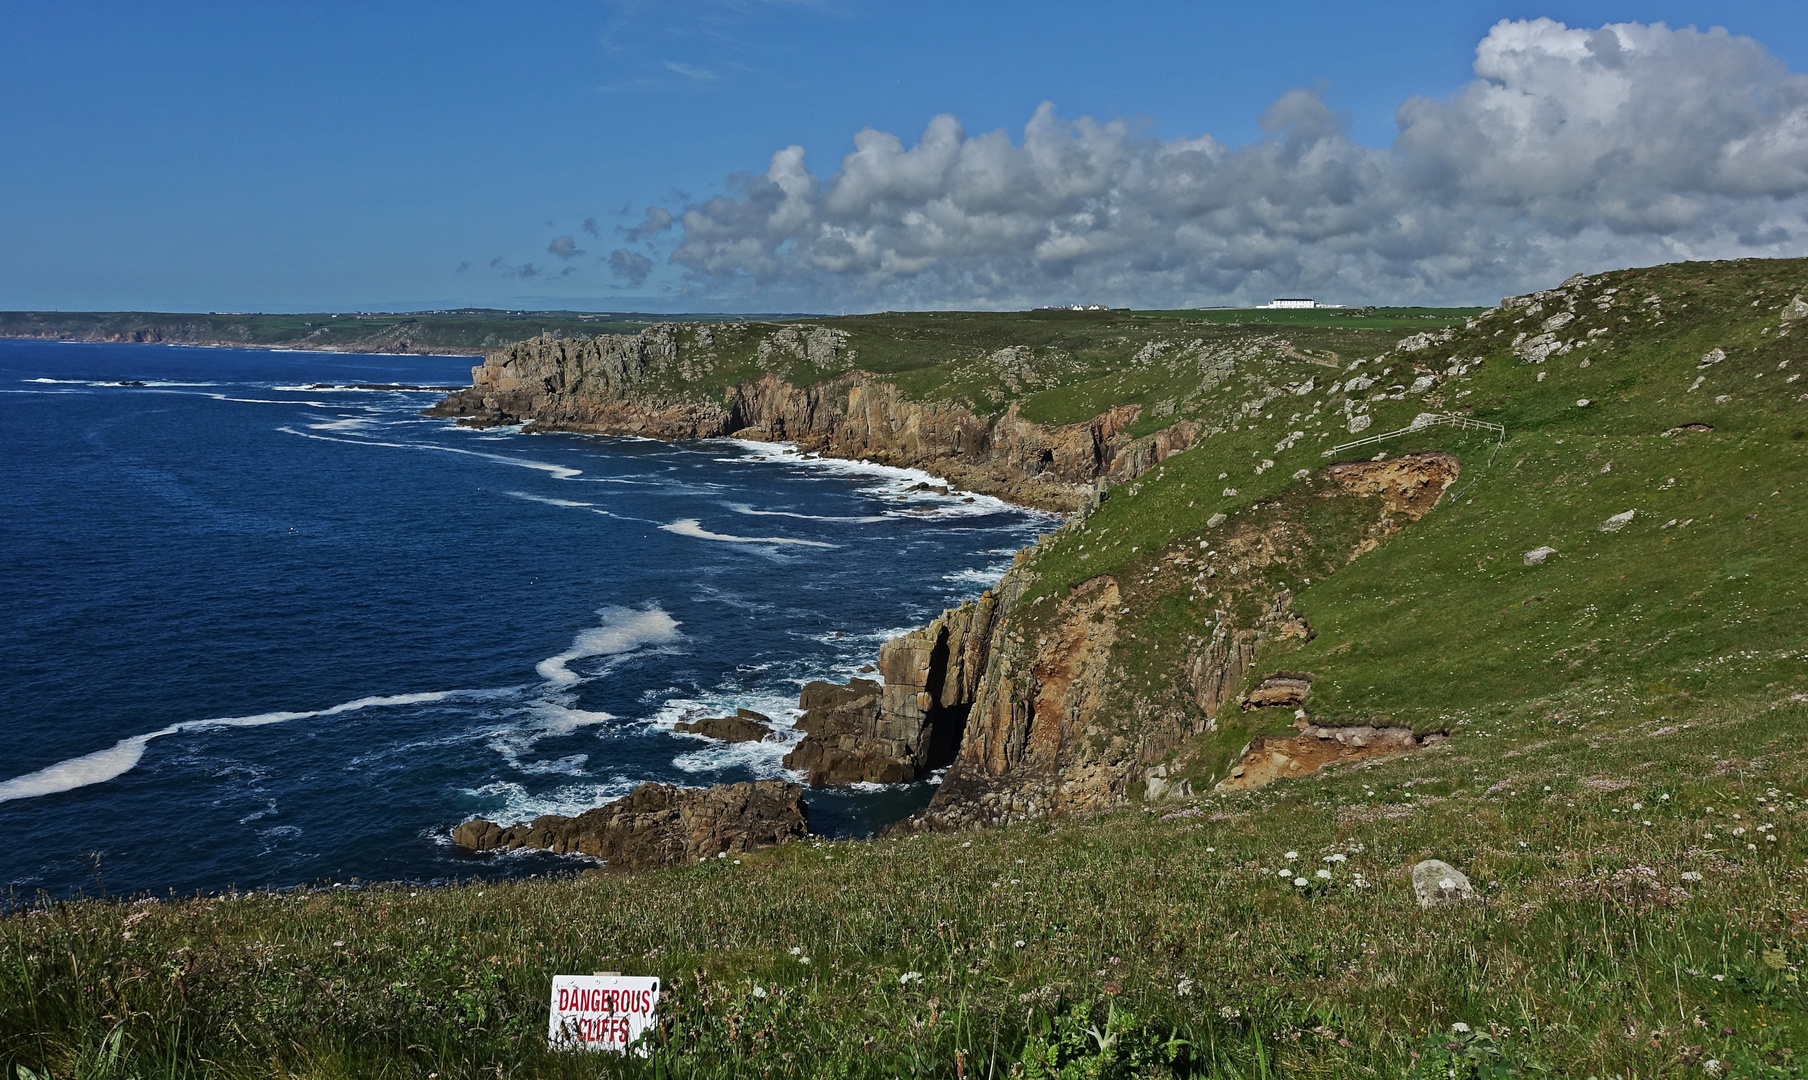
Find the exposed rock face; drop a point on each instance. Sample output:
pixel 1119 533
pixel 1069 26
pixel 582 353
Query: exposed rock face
pixel 1286 689
pixel 744 726
pixel 607 385
pixel 1267 758
pixel 659 825
pixel 1056 727
pixel 911 725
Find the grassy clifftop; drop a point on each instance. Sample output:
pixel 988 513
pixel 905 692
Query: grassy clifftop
pixel 1623 785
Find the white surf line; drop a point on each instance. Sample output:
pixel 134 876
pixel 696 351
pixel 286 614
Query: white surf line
pixel 124 755
pixel 622 630
pixel 551 502
pixel 693 527
pixel 743 508
pixel 562 472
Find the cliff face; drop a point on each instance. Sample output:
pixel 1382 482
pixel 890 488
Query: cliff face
pixel 1059 722
pixel 632 385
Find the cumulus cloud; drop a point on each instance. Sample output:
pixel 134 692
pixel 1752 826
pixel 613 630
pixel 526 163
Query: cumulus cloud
pixel 591 227
pixel 658 220
pixel 1573 149
pixel 629 266
pixel 564 247
pixel 525 270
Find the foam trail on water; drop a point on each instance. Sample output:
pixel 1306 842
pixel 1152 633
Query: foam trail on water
pixel 622 630
pixel 693 527
pixel 547 501
pixel 563 472
pixel 124 755
pixel 743 508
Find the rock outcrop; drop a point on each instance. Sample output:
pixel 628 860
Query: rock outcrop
pixel 659 825
pixel 632 385
pixel 896 733
pixel 1056 725
pixel 1268 758
pixel 744 726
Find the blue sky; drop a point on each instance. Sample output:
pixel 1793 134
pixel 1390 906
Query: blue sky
pixel 289 156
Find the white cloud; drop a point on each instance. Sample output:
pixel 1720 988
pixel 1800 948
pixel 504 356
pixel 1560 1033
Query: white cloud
pixel 690 71
pixel 1574 149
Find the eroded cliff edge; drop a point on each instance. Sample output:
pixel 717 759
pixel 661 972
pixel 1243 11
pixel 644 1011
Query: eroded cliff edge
pixel 645 385
pixel 1045 698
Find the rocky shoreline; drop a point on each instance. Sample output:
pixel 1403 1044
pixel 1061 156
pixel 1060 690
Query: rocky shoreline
pixel 1020 703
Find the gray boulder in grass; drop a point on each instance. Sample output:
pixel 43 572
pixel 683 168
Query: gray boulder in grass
pixel 1440 883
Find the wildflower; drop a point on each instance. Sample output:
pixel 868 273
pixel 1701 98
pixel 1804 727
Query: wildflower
pixel 1547 787
pixel 1663 798
pixel 1460 1028
pixel 338 944
pixel 759 991
pixel 1711 1066
pixel 1291 855
pixel 1210 849
pixel 1638 806
pixel 1185 987
pixel 1300 883
pixel 1647 824
pixel 797 950
pixel 1337 858
pixel 1229 1012
pixel 1018 944
pixel 1691 875
pixel 909 977
pixel 1720 978
pixel 1738 832
pixel 1323 873
pixel 1114 988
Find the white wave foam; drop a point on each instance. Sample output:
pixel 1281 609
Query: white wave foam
pixel 515 804
pixel 622 630
pixel 693 527
pixel 562 472
pixel 984 577
pixel 743 508
pixel 550 502
pixel 120 758
pixel 344 423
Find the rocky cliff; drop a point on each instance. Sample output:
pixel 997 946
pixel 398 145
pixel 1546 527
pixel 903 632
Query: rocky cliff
pixel 1066 713
pixel 641 385
pixel 658 825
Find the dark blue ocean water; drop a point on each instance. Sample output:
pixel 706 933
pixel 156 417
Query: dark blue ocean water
pixel 259 633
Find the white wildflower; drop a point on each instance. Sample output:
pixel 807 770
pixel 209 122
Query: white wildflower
pixel 1460 1028
pixel 909 977
pixel 759 991
pixel 1300 883
pixel 1291 855
pixel 1323 873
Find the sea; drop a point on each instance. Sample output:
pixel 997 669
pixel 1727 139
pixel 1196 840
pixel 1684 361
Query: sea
pixel 266 626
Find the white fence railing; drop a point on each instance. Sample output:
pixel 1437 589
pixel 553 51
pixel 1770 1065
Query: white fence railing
pixel 1426 420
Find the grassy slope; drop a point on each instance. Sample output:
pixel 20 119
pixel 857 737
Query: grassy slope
pixel 1607 735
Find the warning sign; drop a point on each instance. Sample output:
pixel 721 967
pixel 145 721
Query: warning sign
pixel 601 1012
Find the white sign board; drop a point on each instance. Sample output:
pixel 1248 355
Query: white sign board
pixel 601 1012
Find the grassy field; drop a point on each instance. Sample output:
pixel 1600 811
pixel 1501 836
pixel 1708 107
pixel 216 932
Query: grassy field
pixel 1150 942
pixel 1376 318
pixel 1624 783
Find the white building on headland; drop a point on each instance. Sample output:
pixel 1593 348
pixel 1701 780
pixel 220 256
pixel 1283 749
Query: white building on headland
pixel 1294 302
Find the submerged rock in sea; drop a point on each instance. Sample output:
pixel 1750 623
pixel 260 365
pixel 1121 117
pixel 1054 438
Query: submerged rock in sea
pixel 744 726
pixel 659 825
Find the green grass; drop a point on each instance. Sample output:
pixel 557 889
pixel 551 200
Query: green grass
pixel 1385 318
pixel 1650 674
pixel 1590 956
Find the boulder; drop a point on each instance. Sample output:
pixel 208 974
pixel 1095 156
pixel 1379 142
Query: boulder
pixel 1438 882
pixel 1287 689
pixel 744 726
pixel 659 825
